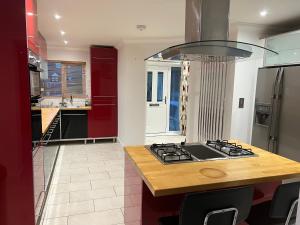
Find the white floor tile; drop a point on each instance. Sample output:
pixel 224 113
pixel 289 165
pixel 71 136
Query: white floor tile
pixel 56 221
pixel 76 208
pixel 99 184
pixel 128 190
pixel 80 186
pixel 93 176
pixel 97 169
pixel 114 162
pixel 59 198
pixel 61 180
pixel 84 186
pixel 73 171
pixel 78 196
pixel 110 217
pixel 114 167
pixel 109 203
pixel 116 174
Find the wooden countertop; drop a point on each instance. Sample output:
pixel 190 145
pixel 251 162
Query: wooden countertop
pixel 48 114
pixel 202 176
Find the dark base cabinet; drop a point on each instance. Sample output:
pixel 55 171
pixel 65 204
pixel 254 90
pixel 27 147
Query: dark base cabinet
pixel 36 123
pixel 74 124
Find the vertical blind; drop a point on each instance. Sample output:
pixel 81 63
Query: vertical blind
pixel 211 100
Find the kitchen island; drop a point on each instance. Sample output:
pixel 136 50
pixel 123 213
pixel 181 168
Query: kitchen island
pixel 153 189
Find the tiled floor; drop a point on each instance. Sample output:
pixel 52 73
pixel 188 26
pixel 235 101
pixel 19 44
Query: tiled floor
pixel 164 139
pixel 87 187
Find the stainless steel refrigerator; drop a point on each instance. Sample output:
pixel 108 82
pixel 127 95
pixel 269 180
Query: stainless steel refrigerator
pixel 277 111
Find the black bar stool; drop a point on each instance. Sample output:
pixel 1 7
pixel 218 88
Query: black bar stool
pixel 223 207
pixel 281 210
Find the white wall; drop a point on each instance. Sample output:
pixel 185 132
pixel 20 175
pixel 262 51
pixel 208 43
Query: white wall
pixel 245 77
pixel 70 54
pixel 245 86
pixel 131 89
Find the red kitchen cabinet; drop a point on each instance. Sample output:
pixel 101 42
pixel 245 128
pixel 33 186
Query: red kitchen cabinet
pixel 104 77
pixel 32 26
pixel 42 45
pixel 103 118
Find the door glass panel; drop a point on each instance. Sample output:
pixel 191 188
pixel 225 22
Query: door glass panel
pixel 174 99
pixel 160 86
pixel 149 86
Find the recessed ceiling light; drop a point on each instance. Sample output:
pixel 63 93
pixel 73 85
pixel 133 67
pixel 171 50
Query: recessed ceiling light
pixel 263 13
pixel 66 42
pixel 62 32
pixel 56 16
pixel 30 13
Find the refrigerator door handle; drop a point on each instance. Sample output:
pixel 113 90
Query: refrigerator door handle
pixel 270 128
pixel 275 114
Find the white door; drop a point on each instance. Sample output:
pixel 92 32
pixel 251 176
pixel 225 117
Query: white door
pixel 157 83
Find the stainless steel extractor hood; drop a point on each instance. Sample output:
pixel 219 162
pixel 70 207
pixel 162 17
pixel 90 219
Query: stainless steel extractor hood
pixel 206 35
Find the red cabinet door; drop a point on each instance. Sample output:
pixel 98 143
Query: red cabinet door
pixel 102 120
pixel 31 26
pixel 104 77
pixel 101 52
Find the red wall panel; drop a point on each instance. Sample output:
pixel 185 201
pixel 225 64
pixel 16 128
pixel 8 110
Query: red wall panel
pixel 16 174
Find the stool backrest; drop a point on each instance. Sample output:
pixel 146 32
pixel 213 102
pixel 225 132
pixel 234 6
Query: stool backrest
pixel 284 197
pixel 217 207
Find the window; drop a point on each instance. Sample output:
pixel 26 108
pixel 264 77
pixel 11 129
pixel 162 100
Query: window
pixel 65 79
pixel 52 85
pixel 74 80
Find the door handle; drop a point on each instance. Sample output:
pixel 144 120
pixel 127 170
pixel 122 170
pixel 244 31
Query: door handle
pixel 165 99
pixel 275 112
pixel 153 104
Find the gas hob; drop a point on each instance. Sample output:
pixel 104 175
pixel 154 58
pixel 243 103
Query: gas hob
pixel 212 150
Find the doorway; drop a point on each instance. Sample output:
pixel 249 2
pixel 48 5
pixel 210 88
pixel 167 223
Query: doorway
pixel 163 82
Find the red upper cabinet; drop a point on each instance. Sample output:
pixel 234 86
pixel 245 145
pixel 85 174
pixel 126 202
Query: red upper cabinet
pixel 104 71
pixel 32 26
pixel 104 52
pixel 42 45
pixel 104 77
pixel 103 118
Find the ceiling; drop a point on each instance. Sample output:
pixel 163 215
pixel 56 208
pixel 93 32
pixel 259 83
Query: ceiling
pixel 107 22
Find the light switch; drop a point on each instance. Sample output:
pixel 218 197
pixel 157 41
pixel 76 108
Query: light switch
pixel 241 103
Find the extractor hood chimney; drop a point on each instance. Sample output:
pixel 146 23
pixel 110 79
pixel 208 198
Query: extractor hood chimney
pixel 206 35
